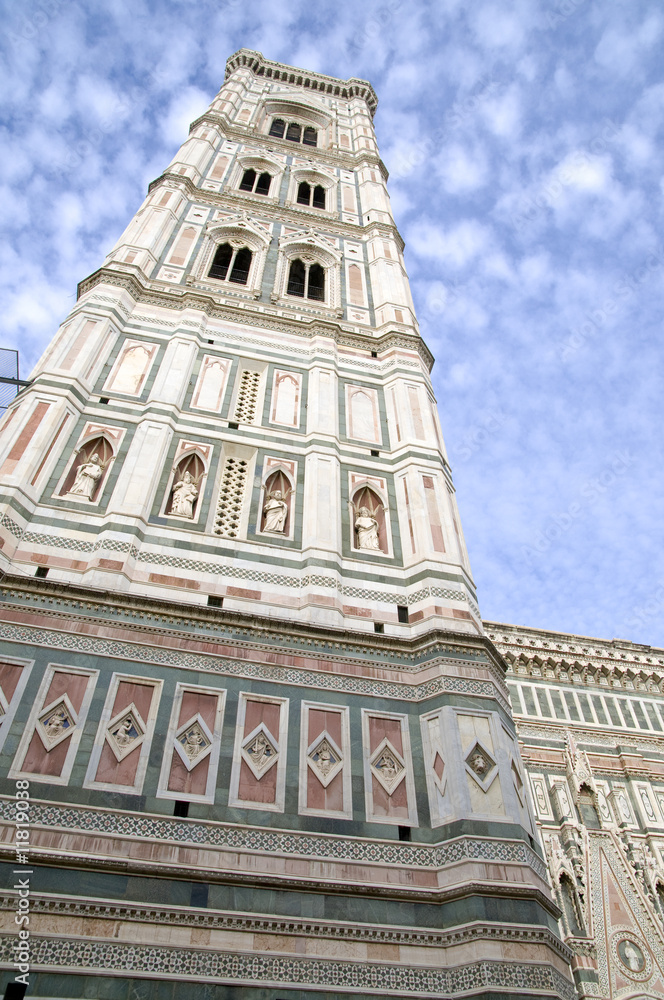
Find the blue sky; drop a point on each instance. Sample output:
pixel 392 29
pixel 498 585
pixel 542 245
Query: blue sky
pixel 524 145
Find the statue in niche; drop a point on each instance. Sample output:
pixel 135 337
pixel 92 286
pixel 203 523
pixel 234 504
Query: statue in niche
pixel 87 476
pixel 275 509
pixel 184 496
pixel 366 527
pixel 631 956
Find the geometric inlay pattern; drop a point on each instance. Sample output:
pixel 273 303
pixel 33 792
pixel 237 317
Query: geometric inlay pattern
pixel 127 960
pixel 56 722
pixel 388 766
pixel 125 732
pixel 235 837
pixel 147 653
pixel 324 758
pixel 193 742
pixel 231 495
pixel 260 751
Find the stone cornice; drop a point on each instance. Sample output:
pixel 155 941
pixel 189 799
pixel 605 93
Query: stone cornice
pixel 598 664
pixel 183 916
pixel 167 296
pixel 313 83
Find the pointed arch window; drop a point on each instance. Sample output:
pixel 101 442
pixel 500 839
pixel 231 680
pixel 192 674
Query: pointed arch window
pixel 294 132
pixel 256 183
pixel 306 280
pixel 314 197
pixel 230 264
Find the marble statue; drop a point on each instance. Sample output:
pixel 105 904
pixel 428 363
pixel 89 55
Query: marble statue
pixel 275 511
pixel 184 496
pixel 87 476
pixel 366 527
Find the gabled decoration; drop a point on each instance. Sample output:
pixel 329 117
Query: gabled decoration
pixel 481 765
pixel 56 722
pixel 324 758
pixel 579 771
pixel 125 732
pixel 260 751
pixel 388 766
pixel 193 742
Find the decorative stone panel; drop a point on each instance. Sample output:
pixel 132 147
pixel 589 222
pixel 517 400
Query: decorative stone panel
pixel 389 786
pixel 325 761
pixel 258 777
pixel 191 758
pixel 53 732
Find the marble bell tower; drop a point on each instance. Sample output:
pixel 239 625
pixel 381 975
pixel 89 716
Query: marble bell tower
pixel 269 749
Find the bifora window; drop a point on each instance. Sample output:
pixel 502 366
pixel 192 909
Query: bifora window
pixel 231 265
pixel 294 132
pixel 258 184
pixel 306 280
pixel 314 197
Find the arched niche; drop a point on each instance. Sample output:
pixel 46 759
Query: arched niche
pixel 276 512
pixel 185 491
pixel 369 525
pixel 88 470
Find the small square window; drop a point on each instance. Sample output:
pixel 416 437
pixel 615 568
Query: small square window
pixel 375 453
pixel 181 809
pixel 42 571
pixel 404 833
pixel 402 613
pixel 215 602
pixel 104 399
pixel 232 425
pixel 374 354
pixel 379 627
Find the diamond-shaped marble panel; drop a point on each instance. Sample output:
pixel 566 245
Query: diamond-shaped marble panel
pixel 324 758
pixel 260 750
pixel 56 722
pixel 481 764
pixel 125 732
pixel 193 742
pixel 388 766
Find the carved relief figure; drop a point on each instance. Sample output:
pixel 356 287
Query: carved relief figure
pixel 184 496
pixel 87 476
pixel 123 735
pixel 478 763
pixel 366 527
pixel 260 751
pixel 631 956
pixel 275 511
pixel 56 724
pixel 194 743
pixel 387 765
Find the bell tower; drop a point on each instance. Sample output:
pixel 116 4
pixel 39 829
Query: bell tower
pixel 242 641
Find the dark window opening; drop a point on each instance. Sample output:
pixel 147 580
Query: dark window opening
pixel 379 627
pixel 316 289
pixel 199 894
pixel 319 197
pixel 215 602
pixel 296 278
pixel 104 399
pixel 42 571
pixel 181 809
pixel 252 182
pixel 374 453
pixel 210 341
pixel 306 280
pixel 248 180
pixel 232 425
pixel 277 128
pixel 303 194
pixel 404 833
pixel 374 354
pixel 310 136
pixel 294 132
pixel 402 613
pixel 240 269
pixel 263 183
pixel 222 259
pixel 231 264
pixel 15 991
pixel 307 196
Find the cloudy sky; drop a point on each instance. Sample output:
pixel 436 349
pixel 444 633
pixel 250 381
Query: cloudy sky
pixel 524 142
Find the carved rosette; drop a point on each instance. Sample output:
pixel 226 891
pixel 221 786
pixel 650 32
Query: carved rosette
pixel 56 722
pixel 125 732
pixel 260 751
pixel 388 766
